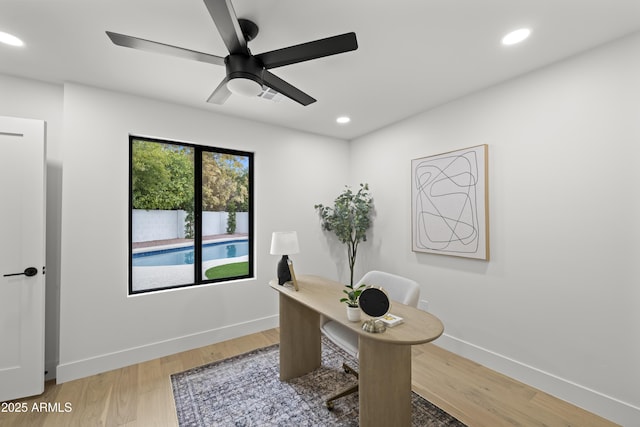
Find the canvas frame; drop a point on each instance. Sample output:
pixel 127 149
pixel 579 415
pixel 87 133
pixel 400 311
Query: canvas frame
pixel 450 203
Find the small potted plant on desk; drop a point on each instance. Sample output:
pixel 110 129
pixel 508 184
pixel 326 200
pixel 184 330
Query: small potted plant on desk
pixel 353 310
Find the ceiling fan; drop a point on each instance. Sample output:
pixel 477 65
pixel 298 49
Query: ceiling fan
pixel 247 74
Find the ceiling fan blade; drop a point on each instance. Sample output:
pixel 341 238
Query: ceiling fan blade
pixel 307 51
pixel 291 92
pixel 228 26
pixel 221 94
pixel 151 46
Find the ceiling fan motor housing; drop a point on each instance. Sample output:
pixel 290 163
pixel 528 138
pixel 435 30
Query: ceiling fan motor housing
pixel 244 67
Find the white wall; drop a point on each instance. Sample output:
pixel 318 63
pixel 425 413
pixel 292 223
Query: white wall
pixel 147 225
pixel 150 225
pixel 558 305
pixel 36 100
pixel 100 326
pixel 214 223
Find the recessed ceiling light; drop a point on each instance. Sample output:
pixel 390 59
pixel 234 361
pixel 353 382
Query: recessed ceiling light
pixel 10 39
pixel 343 119
pixel 516 36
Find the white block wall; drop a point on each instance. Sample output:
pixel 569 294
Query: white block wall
pixel 156 225
pixel 169 224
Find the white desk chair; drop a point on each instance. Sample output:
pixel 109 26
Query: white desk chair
pixel 400 289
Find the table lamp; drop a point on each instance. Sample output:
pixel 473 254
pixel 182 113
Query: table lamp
pixel 284 243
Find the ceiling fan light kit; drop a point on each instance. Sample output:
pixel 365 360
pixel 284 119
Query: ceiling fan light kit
pixel 245 87
pixel 247 74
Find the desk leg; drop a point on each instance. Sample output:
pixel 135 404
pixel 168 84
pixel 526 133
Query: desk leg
pixel 385 384
pixel 299 339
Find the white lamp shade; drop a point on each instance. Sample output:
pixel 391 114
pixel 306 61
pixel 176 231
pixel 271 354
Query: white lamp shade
pixel 284 243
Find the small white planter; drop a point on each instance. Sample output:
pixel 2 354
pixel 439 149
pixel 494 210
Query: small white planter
pixel 353 314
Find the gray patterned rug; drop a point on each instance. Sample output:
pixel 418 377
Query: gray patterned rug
pixel 245 390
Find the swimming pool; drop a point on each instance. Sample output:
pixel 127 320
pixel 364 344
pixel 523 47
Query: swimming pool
pixel 184 255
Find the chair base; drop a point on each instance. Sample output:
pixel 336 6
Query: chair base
pixel 349 370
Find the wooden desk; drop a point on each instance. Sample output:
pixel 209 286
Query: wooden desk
pixel 384 359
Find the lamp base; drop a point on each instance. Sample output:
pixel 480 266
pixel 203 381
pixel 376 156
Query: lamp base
pixel 374 326
pixel 284 274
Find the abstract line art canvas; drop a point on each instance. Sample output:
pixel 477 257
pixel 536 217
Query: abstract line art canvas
pixel 449 194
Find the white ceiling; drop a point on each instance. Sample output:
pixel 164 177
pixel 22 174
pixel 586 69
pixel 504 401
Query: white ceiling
pixel 412 55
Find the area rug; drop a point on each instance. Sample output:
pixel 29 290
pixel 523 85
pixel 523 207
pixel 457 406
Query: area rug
pixel 245 390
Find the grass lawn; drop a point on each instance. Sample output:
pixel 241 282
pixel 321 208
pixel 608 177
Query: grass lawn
pixel 228 270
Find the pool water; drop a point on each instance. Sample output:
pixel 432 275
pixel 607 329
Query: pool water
pixel 181 256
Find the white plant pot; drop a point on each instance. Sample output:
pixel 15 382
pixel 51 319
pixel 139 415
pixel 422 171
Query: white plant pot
pixel 353 314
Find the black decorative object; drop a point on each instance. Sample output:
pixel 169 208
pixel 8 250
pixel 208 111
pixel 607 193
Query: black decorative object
pixel 374 302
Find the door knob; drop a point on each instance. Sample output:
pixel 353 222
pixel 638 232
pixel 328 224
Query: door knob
pixel 29 271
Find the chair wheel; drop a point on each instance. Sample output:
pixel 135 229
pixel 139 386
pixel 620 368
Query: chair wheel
pixel 329 406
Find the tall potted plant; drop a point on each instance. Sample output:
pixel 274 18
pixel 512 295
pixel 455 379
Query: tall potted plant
pixel 349 219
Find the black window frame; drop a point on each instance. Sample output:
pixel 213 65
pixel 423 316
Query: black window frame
pixel 198 149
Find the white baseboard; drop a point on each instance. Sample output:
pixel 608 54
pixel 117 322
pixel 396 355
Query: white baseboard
pixel 106 362
pixel 593 401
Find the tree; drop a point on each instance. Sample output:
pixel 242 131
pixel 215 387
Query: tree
pixel 243 183
pixel 222 181
pixel 231 218
pixel 349 219
pixel 162 176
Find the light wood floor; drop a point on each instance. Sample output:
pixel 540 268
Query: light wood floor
pixel 140 395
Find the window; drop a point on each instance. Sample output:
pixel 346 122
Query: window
pixel 190 216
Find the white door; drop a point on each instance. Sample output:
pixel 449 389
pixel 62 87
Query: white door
pixel 22 293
